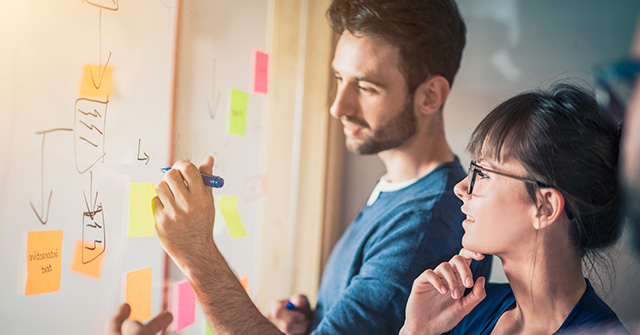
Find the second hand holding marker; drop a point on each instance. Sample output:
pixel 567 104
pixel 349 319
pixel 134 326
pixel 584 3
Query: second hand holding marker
pixel 209 180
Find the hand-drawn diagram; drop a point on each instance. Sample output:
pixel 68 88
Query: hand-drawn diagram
pixel 146 157
pixel 213 107
pixel 43 215
pixel 89 130
pixel 90 120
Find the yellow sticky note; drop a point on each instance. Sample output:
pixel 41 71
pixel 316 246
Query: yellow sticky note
pixel 208 331
pixel 96 81
pixel 44 259
pixel 93 266
pixel 141 220
pixel 228 207
pixel 238 112
pixel 139 294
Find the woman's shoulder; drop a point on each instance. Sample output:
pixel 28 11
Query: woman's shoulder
pixel 591 312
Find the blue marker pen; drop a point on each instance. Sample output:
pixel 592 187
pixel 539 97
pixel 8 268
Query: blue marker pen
pixel 291 306
pixel 209 180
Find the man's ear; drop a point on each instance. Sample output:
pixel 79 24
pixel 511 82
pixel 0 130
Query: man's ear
pixel 431 94
pixel 550 204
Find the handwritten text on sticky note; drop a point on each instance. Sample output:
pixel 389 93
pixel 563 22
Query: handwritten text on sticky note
pixel 141 220
pixel 44 258
pixel 139 294
pixel 238 112
pixel 228 207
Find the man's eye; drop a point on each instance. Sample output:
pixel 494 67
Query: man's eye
pixel 482 174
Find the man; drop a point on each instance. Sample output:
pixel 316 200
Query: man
pixel 394 65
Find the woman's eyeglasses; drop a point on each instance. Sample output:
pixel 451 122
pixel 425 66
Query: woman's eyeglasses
pixel 474 168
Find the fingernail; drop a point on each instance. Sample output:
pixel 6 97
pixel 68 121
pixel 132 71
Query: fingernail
pixel 443 289
pixel 455 293
pixel 469 282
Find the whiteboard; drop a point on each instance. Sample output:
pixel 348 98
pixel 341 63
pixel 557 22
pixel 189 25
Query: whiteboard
pixel 218 45
pixel 65 154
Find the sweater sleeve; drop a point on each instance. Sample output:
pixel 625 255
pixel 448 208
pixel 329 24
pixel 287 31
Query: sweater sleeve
pixel 375 298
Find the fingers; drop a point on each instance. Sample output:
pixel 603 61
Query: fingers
pixel 160 322
pixel 475 296
pixel 115 324
pixel 206 166
pixel 288 321
pixel 132 327
pixel 429 280
pixel 461 265
pixel 452 279
pixel 302 304
pixel 468 254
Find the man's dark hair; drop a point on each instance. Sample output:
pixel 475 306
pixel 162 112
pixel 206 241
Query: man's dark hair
pixel 429 34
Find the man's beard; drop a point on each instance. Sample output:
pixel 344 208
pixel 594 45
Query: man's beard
pixel 389 135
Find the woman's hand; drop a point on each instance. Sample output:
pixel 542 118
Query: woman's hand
pixel 436 303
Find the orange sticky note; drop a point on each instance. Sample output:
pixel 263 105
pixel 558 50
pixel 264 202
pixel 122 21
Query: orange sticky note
pixel 44 259
pixel 96 81
pixel 244 281
pixel 139 294
pixel 141 220
pixel 91 268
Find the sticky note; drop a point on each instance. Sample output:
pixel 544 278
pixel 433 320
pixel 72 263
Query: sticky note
pixel 208 331
pixel 139 294
pixel 141 220
pixel 44 259
pixel 261 73
pixel 228 207
pixel 96 81
pixel 91 268
pixel 238 112
pixel 184 305
pixel 244 281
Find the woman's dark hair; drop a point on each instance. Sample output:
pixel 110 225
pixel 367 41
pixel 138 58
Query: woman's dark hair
pixel 562 140
pixel 429 34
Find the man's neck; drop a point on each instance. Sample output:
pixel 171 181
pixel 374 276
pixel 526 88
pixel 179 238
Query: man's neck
pixel 417 157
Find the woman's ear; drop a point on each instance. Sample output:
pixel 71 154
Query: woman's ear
pixel 431 94
pixel 550 204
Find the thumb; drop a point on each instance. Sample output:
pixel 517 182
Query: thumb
pixel 475 296
pixel 206 166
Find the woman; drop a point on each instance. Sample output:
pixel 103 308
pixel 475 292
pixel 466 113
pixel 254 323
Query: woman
pixel 541 194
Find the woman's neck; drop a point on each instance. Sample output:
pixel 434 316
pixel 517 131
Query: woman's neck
pixel 547 284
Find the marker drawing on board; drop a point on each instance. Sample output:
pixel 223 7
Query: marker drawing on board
pixel 209 180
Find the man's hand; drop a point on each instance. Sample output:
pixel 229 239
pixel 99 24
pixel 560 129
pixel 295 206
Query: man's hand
pixel 291 322
pixel 436 303
pixel 185 213
pixel 121 325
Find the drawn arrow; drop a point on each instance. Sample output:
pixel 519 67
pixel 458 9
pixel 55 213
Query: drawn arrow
pixel 213 109
pixel 45 214
pixel 145 154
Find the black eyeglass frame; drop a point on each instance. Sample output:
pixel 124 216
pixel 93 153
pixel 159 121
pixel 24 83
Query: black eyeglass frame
pixel 474 168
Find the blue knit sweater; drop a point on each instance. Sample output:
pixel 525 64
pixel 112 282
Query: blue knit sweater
pixel 369 274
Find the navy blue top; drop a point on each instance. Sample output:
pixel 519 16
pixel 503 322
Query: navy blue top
pixel 590 311
pixel 368 277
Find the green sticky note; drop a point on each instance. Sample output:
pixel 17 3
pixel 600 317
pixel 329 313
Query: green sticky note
pixel 141 220
pixel 208 332
pixel 238 112
pixel 228 207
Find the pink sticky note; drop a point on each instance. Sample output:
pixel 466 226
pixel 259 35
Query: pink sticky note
pixel 260 82
pixel 183 306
